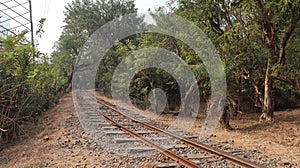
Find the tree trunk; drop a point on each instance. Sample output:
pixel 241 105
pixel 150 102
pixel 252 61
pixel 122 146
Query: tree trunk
pixel 186 106
pixel 188 102
pixel 68 87
pixel 154 101
pixel 268 110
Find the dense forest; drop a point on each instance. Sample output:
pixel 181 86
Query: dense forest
pixel 258 41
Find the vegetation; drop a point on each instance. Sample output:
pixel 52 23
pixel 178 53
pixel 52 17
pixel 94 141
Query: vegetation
pixel 82 19
pixel 257 40
pixel 254 38
pixel 30 84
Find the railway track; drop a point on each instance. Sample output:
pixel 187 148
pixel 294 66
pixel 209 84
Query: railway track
pixel 128 133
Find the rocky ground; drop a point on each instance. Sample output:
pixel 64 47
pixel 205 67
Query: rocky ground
pixel 59 141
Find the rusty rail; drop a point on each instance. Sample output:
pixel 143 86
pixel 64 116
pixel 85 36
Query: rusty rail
pixel 166 152
pixel 234 159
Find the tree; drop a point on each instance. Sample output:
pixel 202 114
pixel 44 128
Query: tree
pixel 82 19
pixel 252 37
pixel 157 78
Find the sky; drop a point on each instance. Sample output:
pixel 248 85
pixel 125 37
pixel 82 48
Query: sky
pixel 52 10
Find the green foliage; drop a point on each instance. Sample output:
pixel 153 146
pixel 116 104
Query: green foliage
pixel 29 84
pixel 248 34
pixel 82 19
pixel 148 79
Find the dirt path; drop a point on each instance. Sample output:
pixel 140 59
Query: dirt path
pixel 60 141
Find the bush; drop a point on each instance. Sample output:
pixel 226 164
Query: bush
pixel 29 84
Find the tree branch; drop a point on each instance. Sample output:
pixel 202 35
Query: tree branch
pixel 261 7
pixel 216 27
pixel 2 130
pixel 285 39
pixel 294 83
pixel 255 85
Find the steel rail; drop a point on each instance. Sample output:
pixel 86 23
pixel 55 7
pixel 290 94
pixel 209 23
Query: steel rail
pixel 163 150
pixel 158 148
pixel 234 159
